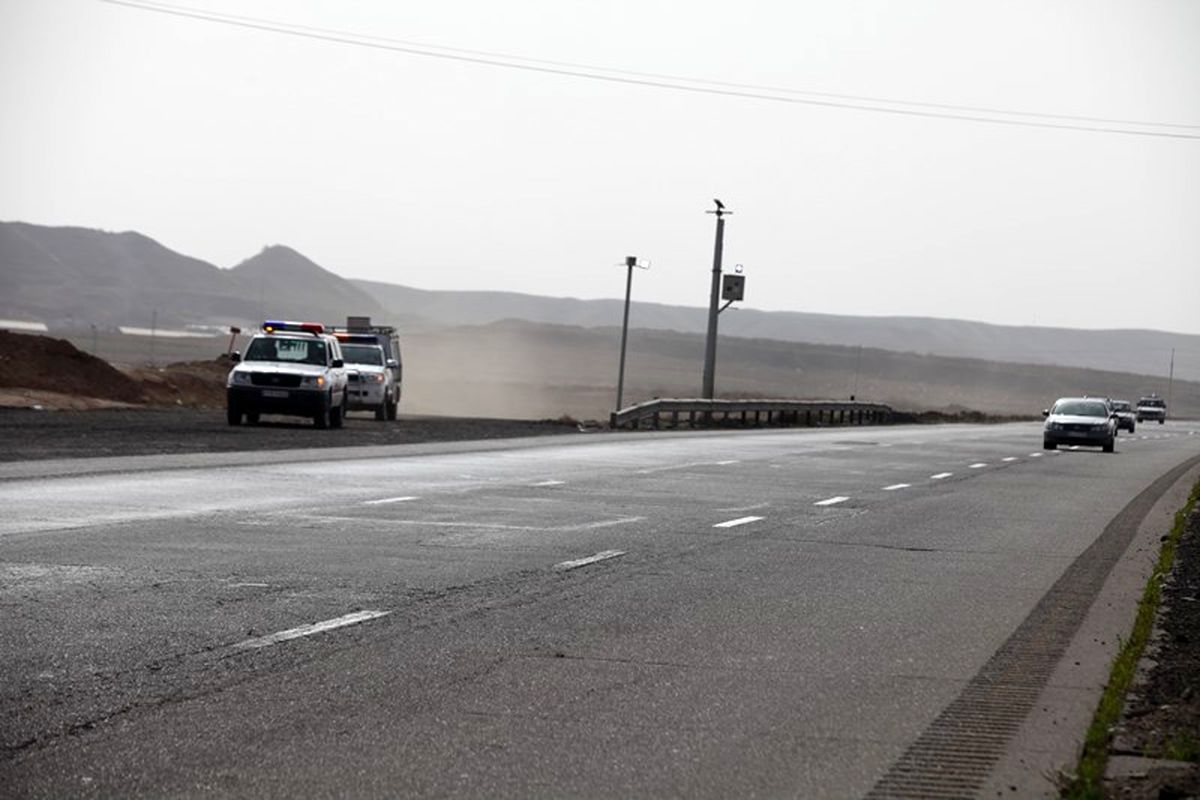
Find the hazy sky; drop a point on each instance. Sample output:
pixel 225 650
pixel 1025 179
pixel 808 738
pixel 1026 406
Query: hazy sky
pixel 450 174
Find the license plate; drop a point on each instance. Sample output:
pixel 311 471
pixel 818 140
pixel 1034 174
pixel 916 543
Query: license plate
pixel 274 393
pixel 1076 433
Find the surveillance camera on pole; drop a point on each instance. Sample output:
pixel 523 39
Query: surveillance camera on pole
pixel 731 289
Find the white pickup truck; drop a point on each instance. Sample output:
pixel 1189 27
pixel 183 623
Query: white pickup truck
pixel 1152 407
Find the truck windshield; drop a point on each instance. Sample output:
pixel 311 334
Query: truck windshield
pixel 362 354
pixel 272 348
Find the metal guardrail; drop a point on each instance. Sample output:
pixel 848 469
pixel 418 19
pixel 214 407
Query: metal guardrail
pixel 673 412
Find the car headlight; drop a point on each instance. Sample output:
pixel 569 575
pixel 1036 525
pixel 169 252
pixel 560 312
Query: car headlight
pixel 313 380
pixel 240 378
pixel 379 377
pixel 1054 426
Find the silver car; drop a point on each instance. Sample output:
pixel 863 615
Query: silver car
pixel 369 382
pixel 1086 421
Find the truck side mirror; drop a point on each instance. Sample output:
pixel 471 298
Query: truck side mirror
pixel 235 357
pixel 393 363
pixel 338 363
pixel 1045 412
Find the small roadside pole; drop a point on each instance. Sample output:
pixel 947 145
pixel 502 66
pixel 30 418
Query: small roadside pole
pixel 630 263
pixel 153 333
pixel 234 330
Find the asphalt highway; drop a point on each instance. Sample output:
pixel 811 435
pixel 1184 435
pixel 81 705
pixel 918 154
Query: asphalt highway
pixel 810 613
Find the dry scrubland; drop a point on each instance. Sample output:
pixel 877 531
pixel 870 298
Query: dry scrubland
pixel 534 371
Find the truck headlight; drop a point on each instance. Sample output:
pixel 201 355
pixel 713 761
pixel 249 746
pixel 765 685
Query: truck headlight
pixel 240 378
pixel 313 380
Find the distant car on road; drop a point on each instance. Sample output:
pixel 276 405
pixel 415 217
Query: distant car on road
pixel 1080 421
pixel 1152 408
pixel 1126 416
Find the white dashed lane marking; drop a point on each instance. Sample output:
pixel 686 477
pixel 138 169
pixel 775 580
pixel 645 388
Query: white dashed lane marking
pixel 977 465
pixel 309 630
pixel 688 465
pixel 548 483
pixel 733 523
pixel 832 501
pixel 1035 455
pixel 603 555
pixel 896 486
pixel 388 500
pixel 248 585
pixel 1010 458
pixel 940 476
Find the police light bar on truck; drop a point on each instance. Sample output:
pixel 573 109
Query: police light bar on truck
pixel 356 338
pixel 277 325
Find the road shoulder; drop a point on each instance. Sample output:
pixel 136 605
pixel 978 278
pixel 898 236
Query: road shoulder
pixel 1048 744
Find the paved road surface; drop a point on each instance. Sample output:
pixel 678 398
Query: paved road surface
pixel 812 613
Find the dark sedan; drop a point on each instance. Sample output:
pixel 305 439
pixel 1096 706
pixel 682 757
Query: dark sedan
pixel 1126 416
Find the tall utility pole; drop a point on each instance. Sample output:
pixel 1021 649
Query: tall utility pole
pixel 1170 379
pixel 710 344
pixel 630 263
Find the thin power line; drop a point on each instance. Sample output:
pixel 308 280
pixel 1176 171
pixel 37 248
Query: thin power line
pixel 661 81
pixel 507 57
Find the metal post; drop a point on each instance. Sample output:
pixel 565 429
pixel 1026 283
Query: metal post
pixel 630 263
pixel 1170 380
pixel 710 344
pixel 857 365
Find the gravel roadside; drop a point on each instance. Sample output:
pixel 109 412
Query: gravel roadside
pixel 1155 749
pixel 27 435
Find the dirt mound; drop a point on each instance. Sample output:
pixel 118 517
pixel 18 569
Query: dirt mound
pixel 53 373
pixel 56 365
pixel 194 384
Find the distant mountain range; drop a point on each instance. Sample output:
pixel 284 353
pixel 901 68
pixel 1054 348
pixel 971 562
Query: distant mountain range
pixel 76 277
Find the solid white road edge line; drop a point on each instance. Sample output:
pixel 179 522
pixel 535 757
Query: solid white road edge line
pixel 733 523
pixel 940 476
pixel 388 500
pixel 548 483
pixel 831 501
pixel 309 630
pixel 603 555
